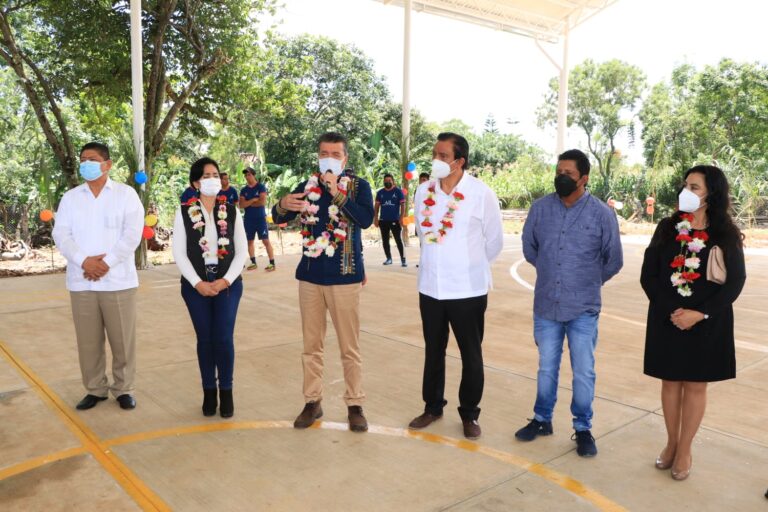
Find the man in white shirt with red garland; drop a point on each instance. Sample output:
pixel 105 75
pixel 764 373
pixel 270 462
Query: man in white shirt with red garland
pixel 461 233
pixel 98 227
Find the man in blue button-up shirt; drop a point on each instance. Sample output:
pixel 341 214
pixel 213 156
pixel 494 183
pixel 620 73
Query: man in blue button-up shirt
pixel 572 238
pixel 334 209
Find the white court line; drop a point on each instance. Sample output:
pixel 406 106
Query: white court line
pixel 746 345
pixel 513 272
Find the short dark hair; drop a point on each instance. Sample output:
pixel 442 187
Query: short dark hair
pixel 100 148
pixel 223 173
pixel 389 175
pixel 423 175
pixel 333 138
pixel 249 170
pixel 196 169
pixel 582 162
pixel 460 146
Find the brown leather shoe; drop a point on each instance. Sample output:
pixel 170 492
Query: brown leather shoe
pixel 471 429
pixel 423 421
pixel 357 422
pixel 312 411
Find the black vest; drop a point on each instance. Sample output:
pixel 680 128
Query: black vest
pixel 195 254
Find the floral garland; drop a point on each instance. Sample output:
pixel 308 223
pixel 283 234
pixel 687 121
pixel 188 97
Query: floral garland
pixel 687 262
pixel 195 213
pixel 336 229
pixel 446 223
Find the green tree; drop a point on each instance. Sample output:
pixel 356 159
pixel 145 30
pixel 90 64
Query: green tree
pixel 342 93
pixel 702 116
pixel 601 102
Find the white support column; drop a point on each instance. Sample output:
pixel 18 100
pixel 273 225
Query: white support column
pixel 406 120
pixel 562 95
pixel 137 84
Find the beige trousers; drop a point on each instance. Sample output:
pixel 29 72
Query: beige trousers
pixel 95 313
pixel 343 303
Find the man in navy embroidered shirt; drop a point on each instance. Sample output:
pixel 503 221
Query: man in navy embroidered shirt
pixel 572 238
pixel 389 210
pixel 333 209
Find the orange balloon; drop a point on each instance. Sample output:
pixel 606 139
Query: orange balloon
pixel 148 233
pixel 649 210
pixel 46 215
pixel 283 225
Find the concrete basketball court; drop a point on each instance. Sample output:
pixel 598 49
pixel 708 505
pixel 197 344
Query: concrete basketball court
pixel 165 455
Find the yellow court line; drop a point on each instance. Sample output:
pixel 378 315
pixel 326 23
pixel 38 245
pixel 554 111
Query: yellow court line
pixel 131 483
pixel 567 483
pixel 29 465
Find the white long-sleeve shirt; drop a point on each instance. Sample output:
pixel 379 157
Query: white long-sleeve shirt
pixel 211 233
pixel 460 266
pixel 109 224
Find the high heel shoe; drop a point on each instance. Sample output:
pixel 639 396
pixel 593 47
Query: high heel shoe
pixel 664 464
pixel 209 402
pixel 682 475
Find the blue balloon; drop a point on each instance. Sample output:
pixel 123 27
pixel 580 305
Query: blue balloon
pixel 140 177
pixel 411 166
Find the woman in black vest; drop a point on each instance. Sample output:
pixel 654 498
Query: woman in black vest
pixel 210 248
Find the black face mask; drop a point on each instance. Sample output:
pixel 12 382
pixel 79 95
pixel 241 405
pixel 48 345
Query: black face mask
pixel 388 185
pixel 565 185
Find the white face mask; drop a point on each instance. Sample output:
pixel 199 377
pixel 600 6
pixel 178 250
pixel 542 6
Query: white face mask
pixel 688 201
pixel 330 164
pixel 210 186
pixel 441 169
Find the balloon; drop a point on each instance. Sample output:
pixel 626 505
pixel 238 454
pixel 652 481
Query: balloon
pixel 148 233
pixel 283 225
pixel 649 210
pixel 405 191
pixel 411 166
pixel 150 220
pixel 140 177
pixel 618 205
pixel 269 219
pixel 650 201
pixel 46 215
pixel 409 175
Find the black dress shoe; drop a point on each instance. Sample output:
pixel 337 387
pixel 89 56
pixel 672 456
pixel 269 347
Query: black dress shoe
pixel 210 401
pixel 89 402
pixel 126 401
pixel 227 407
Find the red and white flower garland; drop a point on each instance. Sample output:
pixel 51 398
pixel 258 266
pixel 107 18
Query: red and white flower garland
pixel 687 262
pixel 195 213
pixel 335 232
pixel 446 223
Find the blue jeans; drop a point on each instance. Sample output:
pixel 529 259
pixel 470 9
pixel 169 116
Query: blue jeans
pixel 582 340
pixel 214 322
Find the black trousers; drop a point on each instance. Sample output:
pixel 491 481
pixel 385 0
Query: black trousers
pixel 394 226
pixel 466 317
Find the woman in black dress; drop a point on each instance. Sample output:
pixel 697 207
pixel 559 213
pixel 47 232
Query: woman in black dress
pixel 689 337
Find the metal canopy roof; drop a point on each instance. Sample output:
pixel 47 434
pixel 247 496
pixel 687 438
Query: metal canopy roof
pixel 545 20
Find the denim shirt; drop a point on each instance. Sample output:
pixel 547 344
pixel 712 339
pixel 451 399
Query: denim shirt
pixel 346 265
pixel 575 251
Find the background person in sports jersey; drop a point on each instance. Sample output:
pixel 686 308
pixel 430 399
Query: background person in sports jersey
pixel 389 209
pixel 253 199
pixel 227 190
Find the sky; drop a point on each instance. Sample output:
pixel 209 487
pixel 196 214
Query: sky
pixel 460 70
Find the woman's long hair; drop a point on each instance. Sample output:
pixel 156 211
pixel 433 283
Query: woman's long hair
pixel 721 228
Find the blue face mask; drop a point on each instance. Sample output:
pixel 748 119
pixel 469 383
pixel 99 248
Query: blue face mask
pixel 90 170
